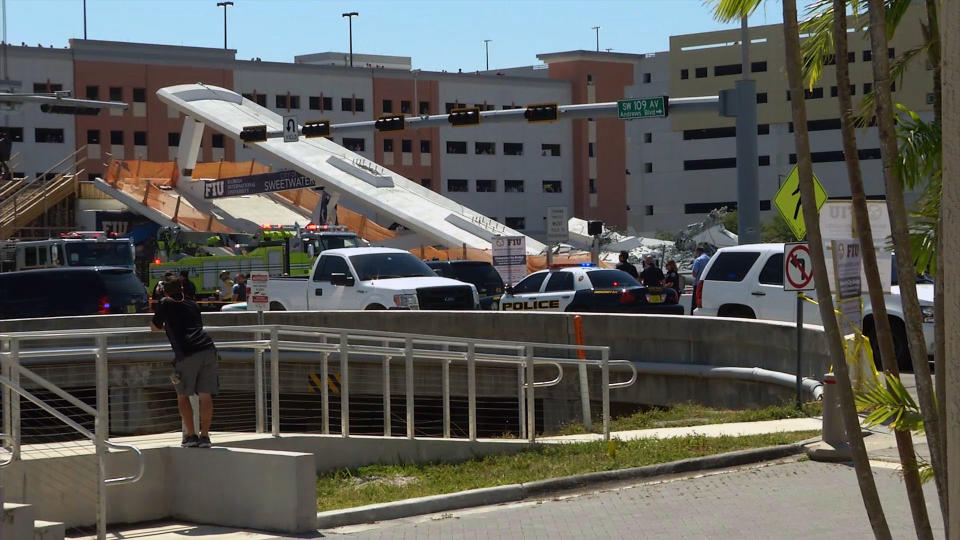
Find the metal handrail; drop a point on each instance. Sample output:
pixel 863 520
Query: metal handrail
pixel 141 464
pixel 630 381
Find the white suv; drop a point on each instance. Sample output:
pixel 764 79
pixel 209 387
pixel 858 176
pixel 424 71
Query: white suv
pixel 747 281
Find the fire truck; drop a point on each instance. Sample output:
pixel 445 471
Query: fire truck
pixel 73 249
pixel 278 249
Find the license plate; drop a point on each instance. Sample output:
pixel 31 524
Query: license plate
pixel 654 298
pixel 131 308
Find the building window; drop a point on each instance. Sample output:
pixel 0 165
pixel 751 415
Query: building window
pixel 288 102
pixel 727 69
pixel 116 137
pixel 515 223
pixel 552 150
pixel 404 106
pixel 709 133
pixel 425 146
pixel 173 138
pixel 590 150
pixel 648 167
pixel 326 104
pixel 758 67
pixel 388 146
pixel 346 104
pixel 705 164
pixel 764 161
pixel 46 87
pixel 48 135
pixel 457 185
pixel 592 185
pixel 139 138
pixel 701 72
pixel 388 105
pixel 486 186
pixel 552 186
pixel 93 92
pixel 358 104
pixel 646 78
pixel 930 98
pixel 139 95
pixel 648 210
pixel 648 138
pixel 891 53
pixel 513 186
pixel 116 93
pixel 706 208
pixel 512 149
pixel 216 140
pixel 93 136
pixel 427 183
pixel 867 55
pixel 485 148
pixel 684 74
pixel 763 129
pixel 456 147
pixel 424 107
pixel 761 97
pixel 314 103
pixel 354 144
pixel 823 125
pixel 867 88
pixel 816 93
pixel 12 134
pixel 406 145
pixel 455 105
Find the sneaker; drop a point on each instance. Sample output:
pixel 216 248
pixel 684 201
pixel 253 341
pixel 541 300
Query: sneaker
pixel 190 441
pixel 204 441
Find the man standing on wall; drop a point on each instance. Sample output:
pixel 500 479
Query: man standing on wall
pixel 195 360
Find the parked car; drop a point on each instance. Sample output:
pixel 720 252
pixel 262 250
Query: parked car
pixel 588 289
pixel 62 292
pixel 370 278
pixel 747 281
pixel 480 274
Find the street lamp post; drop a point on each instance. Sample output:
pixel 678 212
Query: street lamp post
pixel 350 17
pixel 224 6
pixel 486 46
pixel 84 19
pixel 597 30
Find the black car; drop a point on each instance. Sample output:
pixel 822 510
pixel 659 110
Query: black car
pixel 481 274
pixel 60 292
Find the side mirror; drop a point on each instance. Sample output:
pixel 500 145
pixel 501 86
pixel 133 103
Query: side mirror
pixel 343 280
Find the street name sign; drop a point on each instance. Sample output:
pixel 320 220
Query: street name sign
pixel 797 267
pixel 557 229
pixel 787 201
pixel 256 183
pixel 645 107
pixel 290 129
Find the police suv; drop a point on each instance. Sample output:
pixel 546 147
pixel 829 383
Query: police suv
pixel 586 288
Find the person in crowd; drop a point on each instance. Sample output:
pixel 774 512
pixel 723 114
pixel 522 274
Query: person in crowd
pixel 626 266
pixel 187 286
pixel 699 263
pixel 651 276
pixel 672 278
pixel 240 288
pixel 157 293
pixel 195 360
pixel 226 286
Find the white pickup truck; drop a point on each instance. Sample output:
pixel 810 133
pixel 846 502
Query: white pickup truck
pixel 747 281
pixel 370 278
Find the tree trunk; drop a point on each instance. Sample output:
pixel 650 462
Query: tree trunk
pixel 883 333
pixel 851 421
pixel 900 227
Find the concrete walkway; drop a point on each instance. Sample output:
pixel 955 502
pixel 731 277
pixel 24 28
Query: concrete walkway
pixel 735 429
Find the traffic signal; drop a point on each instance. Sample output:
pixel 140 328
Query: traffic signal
pixel 542 112
pixel 468 116
pixel 253 133
pixel 390 122
pixel 69 109
pixel 317 128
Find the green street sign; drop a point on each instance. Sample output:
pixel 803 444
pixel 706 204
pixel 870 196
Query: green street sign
pixel 647 107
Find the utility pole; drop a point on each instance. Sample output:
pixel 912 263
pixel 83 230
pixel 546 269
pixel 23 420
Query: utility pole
pixel 597 30
pixel 84 19
pixel 486 46
pixel 748 183
pixel 224 6
pixel 350 17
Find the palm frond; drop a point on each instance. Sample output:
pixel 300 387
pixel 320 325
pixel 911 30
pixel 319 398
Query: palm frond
pixel 896 9
pixel 729 10
pixel 921 159
pixel 889 404
pixel 817 48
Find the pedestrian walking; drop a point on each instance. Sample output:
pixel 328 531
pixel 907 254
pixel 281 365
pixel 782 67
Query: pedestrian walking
pixel 240 288
pixel 699 263
pixel 187 286
pixel 672 278
pixel 626 266
pixel 651 275
pixel 195 360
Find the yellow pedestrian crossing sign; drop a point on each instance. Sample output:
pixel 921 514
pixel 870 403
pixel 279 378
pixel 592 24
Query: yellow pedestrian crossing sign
pixel 787 201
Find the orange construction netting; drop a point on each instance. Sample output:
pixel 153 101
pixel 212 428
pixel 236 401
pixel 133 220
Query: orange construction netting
pixel 228 169
pixel 534 262
pixel 358 223
pixel 137 173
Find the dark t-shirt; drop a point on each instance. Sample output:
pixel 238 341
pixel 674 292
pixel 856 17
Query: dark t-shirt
pixel 189 289
pixel 181 320
pixel 628 268
pixel 672 280
pixel 651 276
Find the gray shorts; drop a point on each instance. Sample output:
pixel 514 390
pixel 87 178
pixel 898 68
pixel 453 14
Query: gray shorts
pixel 197 373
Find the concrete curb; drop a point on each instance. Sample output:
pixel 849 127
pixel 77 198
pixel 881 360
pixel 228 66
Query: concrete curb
pixel 516 492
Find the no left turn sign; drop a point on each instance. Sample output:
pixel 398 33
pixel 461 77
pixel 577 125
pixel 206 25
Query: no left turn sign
pixel 797 267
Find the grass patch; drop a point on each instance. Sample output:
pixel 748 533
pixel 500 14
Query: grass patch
pixel 383 483
pixel 690 414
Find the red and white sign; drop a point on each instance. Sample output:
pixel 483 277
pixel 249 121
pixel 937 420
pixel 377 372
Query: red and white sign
pixel 258 299
pixel 797 267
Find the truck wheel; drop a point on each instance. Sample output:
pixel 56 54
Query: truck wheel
pixel 742 312
pixel 372 307
pixel 277 306
pixel 901 347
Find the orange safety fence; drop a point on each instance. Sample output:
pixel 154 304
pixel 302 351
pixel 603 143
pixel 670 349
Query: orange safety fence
pixel 358 223
pixel 228 169
pixel 137 173
pixel 534 262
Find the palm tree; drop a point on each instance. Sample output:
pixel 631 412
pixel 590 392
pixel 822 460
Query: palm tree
pixel 733 9
pixel 883 332
pixel 900 229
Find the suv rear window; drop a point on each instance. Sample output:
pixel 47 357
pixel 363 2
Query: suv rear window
pixel 732 265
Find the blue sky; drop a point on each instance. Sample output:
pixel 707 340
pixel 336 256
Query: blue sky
pixel 438 34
